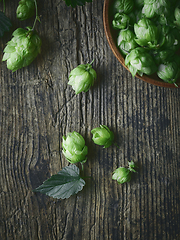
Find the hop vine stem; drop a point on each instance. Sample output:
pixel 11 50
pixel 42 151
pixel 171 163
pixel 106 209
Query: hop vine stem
pixel 91 62
pixel 82 167
pixel 37 17
pixel 116 145
pixel 89 65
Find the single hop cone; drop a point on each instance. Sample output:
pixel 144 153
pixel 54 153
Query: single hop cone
pixel 74 148
pixel 102 136
pixel 122 174
pixel 82 78
pixel 22 49
pixel 25 9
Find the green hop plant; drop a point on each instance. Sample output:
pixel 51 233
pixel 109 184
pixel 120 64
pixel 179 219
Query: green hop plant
pixel 126 42
pixel 102 136
pixel 146 33
pixel 140 61
pixel 82 78
pixel 22 49
pixel 120 21
pixel 123 174
pixel 74 148
pixel 25 9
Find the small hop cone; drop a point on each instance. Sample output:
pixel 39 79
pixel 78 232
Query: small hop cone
pixel 82 78
pixel 122 174
pixel 74 148
pixel 22 49
pixel 25 9
pixel 102 136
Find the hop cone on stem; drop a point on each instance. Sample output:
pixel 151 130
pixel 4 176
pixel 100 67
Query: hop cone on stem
pixel 122 174
pixel 25 9
pixel 22 49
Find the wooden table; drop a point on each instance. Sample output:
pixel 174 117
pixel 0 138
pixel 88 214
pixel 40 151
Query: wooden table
pixel 38 107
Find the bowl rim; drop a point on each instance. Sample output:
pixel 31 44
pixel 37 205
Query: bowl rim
pixel 115 50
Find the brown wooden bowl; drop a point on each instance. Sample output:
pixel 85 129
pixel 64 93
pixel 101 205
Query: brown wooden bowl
pixel 111 36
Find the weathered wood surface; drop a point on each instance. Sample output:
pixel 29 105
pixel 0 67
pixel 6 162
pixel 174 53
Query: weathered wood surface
pixel 37 108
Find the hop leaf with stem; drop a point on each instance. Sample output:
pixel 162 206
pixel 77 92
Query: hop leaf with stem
pixel 25 9
pixel 123 174
pixel 74 148
pixel 64 184
pixel 82 77
pixel 102 136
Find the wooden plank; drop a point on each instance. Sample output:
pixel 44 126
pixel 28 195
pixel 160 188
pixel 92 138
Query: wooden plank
pixel 37 108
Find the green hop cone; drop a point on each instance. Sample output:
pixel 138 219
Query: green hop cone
pixel 140 61
pixel 146 33
pixel 22 49
pixel 102 136
pixel 177 16
pixel 152 8
pixel 82 78
pixel 122 6
pixel 126 42
pixel 25 9
pixel 163 56
pixel 123 174
pixel 170 71
pixel 120 21
pixel 171 38
pixel 74 148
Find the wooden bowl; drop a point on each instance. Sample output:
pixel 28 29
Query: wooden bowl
pixel 111 36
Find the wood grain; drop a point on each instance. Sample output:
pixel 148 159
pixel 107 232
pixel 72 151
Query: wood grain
pixel 38 107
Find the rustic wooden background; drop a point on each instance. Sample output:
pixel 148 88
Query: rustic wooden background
pixel 37 108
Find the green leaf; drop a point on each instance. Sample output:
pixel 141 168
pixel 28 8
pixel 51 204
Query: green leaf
pixel 74 3
pixel 64 184
pixel 5 23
